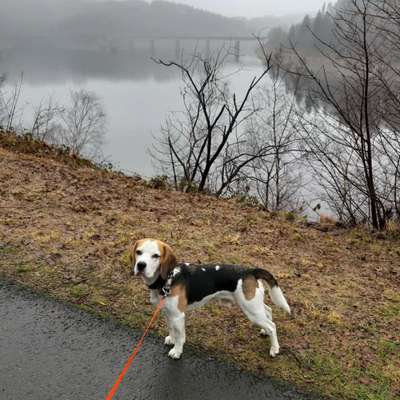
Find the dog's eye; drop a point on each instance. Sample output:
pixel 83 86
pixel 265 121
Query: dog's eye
pixel 138 252
pixel 156 256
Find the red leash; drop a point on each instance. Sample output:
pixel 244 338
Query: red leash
pixel 135 351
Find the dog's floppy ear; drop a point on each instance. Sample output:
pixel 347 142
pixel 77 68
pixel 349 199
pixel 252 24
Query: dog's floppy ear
pixel 132 253
pixel 167 260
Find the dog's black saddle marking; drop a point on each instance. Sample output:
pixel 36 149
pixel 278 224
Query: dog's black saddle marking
pixel 202 280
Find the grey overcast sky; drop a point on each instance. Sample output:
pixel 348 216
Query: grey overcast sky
pixel 256 8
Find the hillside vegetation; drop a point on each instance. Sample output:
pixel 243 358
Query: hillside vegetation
pixel 80 23
pixel 65 226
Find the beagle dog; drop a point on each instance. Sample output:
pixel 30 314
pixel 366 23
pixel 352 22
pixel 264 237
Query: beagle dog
pixel 186 286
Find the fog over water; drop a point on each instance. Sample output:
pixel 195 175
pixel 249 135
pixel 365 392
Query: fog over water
pixel 106 47
pixel 136 93
pixel 256 8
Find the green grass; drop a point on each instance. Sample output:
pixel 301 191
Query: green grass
pixel 79 291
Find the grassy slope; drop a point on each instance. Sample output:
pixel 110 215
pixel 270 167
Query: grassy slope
pixel 65 228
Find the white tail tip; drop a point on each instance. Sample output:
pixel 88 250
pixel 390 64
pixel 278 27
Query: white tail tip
pixel 279 299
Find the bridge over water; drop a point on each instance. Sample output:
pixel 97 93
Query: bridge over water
pixel 177 43
pixel 154 46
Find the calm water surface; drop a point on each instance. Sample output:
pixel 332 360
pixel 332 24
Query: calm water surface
pixel 137 94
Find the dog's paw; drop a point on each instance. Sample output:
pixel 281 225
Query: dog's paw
pixel 274 351
pixel 175 353
pixel 263 332
pixel 169 341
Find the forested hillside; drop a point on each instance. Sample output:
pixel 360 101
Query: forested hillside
pixel 310 31
pixel 80 19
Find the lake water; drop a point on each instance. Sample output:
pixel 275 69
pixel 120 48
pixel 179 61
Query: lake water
pixel 137 94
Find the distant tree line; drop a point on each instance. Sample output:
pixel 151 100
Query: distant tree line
pixel 79 22
pixel 310 31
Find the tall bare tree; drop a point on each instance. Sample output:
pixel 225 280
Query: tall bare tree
pixel 205 146
pixel 276 176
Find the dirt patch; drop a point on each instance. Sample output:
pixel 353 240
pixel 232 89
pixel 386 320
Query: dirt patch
pixel 66 229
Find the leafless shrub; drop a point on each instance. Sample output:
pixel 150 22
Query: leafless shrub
pixel 9 101
pixel 79 126
pixel 83 123
pixel 46 121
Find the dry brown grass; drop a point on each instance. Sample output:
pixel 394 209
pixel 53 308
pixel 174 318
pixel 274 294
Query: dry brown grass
pixel 65 229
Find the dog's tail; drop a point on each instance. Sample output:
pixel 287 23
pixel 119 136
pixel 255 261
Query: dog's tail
pixel 274 290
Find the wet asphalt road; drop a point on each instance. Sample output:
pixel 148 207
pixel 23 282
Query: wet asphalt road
pixel 51 351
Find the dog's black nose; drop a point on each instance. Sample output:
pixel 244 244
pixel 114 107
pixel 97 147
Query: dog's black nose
pixel 141 266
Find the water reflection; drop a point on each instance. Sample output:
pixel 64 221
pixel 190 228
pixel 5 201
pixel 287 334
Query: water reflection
pixel 136 93
pixel 43 65
pixel 58 66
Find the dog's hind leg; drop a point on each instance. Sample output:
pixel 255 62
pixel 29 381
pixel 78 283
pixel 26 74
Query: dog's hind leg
pixel 269 328
pixel 268 311
pixel 255 311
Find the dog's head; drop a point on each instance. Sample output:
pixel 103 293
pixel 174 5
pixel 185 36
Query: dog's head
pixel 151 258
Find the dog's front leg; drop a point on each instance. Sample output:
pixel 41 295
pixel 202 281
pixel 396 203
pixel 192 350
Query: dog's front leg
pixel 176 322
pixel 169 340
pixel 154 296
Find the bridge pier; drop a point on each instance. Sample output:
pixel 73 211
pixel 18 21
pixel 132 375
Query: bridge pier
pixel 237 50
pixel 177 49
pixel 208 48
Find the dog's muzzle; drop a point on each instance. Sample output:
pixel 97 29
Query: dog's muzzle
pixel 140 267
